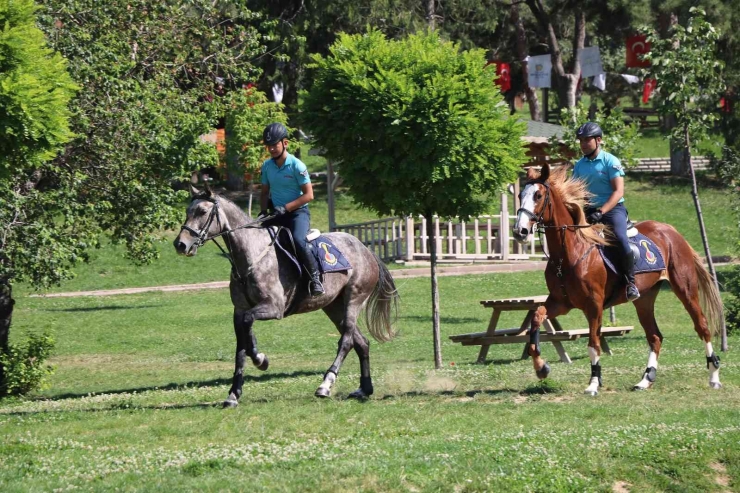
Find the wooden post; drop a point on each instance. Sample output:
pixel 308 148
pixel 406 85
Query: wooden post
pixel 330 193
pixel 503 231
pixel 410 240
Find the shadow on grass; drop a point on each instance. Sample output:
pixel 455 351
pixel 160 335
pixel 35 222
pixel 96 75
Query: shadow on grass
pixel 264 377
pixel 98 308
pixel 449 393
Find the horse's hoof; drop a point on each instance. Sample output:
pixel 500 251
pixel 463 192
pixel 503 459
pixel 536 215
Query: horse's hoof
pixel 715 385
pixel 264 364
pixel 322 392
pixel 543 372
pixel 229 403
pixel 358 394
pixel 592 393
pixel 639 388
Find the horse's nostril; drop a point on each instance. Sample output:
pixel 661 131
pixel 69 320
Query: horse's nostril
pixel 523 231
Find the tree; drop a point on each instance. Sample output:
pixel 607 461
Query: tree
pixel 151 78
pixel 415 127
pixel 35 90
pixel 689 79
pixel 248 112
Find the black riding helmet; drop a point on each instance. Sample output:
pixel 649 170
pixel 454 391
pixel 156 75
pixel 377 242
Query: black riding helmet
pixel 589 129
pixel 274 133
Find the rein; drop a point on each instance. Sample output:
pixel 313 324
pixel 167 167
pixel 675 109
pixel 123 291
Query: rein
pixel 201 237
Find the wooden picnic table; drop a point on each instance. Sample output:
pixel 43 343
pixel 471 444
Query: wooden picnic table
pixel 551 330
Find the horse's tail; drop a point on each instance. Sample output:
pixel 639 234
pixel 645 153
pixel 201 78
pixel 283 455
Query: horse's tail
pixel 709 298
pixel 381 310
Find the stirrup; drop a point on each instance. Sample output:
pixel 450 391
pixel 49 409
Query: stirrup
pixel 635 292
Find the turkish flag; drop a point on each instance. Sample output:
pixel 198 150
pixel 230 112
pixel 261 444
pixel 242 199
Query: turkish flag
pixel 636 47
pixel 504 76
pixel 647 89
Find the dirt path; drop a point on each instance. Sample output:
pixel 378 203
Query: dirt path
pixel 452 270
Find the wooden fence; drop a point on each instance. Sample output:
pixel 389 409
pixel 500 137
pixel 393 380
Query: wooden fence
pixel 483 238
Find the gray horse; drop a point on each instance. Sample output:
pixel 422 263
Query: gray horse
pixel 265 287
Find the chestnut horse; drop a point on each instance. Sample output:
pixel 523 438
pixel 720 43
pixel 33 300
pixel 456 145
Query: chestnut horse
pixel 577 277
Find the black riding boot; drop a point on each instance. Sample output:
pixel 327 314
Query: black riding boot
pixel 629 273
pixel 309 262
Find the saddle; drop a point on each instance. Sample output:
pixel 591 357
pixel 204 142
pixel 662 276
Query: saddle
pixel 646 254
pixel 328 257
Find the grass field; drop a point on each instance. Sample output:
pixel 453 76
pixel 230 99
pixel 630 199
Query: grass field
pixel 134 404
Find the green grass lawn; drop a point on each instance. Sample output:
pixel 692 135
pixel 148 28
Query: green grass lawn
pixel 134 404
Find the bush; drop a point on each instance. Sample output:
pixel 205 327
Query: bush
pixel 25 368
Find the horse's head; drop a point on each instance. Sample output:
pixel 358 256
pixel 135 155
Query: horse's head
pixel 202 222
pixel 534 199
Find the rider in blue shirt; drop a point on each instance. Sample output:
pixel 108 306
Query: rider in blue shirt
pixel 285 180
pixel 604 178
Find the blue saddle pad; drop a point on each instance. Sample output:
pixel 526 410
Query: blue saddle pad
pixel 328 256
pixel 650 259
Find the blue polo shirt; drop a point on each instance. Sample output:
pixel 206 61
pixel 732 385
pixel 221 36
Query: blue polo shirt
pixel 285 182
pixel 598 174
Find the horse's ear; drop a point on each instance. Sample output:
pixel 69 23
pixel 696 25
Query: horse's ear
pixel 208 193
pixel 194 192
pixel 532 174
pixel 545 174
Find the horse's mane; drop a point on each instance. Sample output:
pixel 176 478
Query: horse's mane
pixel 574 196
pixel 232 209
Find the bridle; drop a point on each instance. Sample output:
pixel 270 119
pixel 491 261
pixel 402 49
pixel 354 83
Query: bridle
pixel 201 237
pixel 538 220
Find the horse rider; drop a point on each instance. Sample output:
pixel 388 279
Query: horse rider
pixel 285 180
pixel 604 177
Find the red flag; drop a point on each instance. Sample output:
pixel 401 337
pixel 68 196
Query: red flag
pixel 648 89
pixel 504 76
pixel 636 47
pixel 725 105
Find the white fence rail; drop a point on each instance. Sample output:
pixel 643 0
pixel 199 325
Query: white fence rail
pixel 483 238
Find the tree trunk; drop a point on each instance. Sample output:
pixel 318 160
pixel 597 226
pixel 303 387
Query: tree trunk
pixel 679 159
pixel 6 313
pixel 431 20
pixel 435 290
pixel 702 229
pixel 522 50
pixel 565 82
pixel 234 172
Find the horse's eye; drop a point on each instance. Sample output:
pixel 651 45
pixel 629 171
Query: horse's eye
pixel 537 196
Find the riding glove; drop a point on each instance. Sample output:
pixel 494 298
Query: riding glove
pixel 263 214
pixel 595 217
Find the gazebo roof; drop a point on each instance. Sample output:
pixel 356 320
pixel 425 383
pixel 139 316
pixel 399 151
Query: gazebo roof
pixel 540 132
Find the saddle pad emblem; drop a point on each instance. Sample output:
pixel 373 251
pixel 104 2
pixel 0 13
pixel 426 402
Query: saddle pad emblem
pixel 329 257
pixel 650 257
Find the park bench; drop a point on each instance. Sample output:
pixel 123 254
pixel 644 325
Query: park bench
pixel 551 330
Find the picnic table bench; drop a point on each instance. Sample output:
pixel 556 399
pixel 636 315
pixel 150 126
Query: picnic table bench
pixel 551 330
